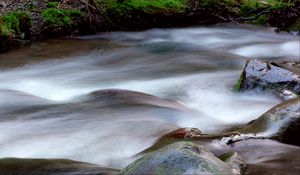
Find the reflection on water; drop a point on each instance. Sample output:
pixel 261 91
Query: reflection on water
pixel 44 87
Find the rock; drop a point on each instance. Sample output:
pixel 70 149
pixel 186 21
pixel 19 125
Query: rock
pixel 281 122
pixel 268 75
pixel 16 100
pixel 263 156
pixel 14 166
pixel 183 133
pixel 290 66
pixel 126 97
pixel 236 161
pixel 179 158
pixel 176 135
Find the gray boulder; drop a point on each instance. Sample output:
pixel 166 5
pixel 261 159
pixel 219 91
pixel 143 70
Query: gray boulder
pixel 269 75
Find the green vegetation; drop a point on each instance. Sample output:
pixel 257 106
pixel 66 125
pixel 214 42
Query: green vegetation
pixel 56 18
pixel 255 11
pixel 238 85
pixel 153 6
pixel 295 26
pixel 52 4
pixel 10 24
pixel 261 20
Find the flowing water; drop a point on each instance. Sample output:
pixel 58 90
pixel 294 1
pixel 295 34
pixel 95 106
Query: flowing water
pixel 47 109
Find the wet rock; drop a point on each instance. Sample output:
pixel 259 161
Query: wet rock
pixel 281 122
pixel 268 75
pixel 290 66
pixel 14 166
pixel 126 97
pixel 176 135
pixel 183 133
pixel 179 158
pixel 264 156
pixel 236 161
pixel 15 100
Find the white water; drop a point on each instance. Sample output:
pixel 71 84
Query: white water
pixel 195 66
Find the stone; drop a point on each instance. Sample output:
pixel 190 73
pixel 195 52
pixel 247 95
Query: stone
pixel 268 75
pixel 179 158
pixel 281 122
pixel 15 166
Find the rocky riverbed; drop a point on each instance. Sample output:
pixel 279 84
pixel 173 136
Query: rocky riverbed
pixel 199 100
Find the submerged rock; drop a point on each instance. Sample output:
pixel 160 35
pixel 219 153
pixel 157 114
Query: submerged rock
pixel 269 75
pixel 281 122
pixel 14 166
pixel 127 97
pixel 179 158
pixel 263 156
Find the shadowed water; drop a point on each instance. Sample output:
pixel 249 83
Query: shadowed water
pixel 47 111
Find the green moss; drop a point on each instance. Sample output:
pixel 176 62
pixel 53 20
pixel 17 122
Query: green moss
pixel 158 5
pixel 249 5
pixel 250 9
pixel 153 6
pixel 238 85
pixel 261 20
pixel 55 17
pixel 214 3
pixel 10 23
pixel 52 4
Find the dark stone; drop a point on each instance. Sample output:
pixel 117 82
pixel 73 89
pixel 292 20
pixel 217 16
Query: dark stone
pixel 281 122
pixel 14 166
pixel 264 156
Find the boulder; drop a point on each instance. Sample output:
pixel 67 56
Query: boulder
pixel 269 75
pixel 14 166
pixel 179 158
pixel 281 122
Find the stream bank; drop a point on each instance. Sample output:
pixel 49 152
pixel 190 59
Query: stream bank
pixel 25 21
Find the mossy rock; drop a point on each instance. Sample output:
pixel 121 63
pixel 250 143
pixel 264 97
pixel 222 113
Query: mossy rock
pixel 179 158
pixel 14 166
pixel 15 24
pixel 60 22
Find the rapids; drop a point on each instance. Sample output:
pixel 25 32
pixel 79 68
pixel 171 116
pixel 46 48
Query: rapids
pixel 44 111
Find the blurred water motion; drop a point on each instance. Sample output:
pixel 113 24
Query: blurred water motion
pixel 43 107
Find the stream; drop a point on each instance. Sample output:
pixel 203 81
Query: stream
pixel 54 101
